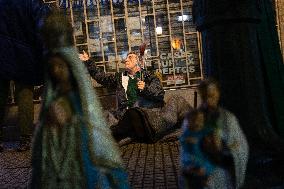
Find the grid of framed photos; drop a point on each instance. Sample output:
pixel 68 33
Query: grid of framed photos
pixel 109 29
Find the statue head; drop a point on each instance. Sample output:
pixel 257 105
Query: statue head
pixel 209 90
pixel 57 31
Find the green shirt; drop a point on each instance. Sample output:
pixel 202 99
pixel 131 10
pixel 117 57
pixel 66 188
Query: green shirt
pixel 132 90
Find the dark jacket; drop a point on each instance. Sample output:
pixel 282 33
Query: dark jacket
pixel 21 49
pixel 208 13
pixel 151 97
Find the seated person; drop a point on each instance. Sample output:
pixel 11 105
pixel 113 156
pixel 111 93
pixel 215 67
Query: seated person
pixel 141 112
pixel 196 167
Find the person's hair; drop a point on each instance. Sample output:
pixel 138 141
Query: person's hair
pixel 134 53
pixel 57 31
pixel 137 57
pixel 203 86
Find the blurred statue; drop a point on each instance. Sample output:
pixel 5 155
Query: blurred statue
pixel 227 148
pixel 196 167
pixel 73 147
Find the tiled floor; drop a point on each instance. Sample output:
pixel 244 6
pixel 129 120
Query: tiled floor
pixel 152 165
pixel 149 166
pixel 14 169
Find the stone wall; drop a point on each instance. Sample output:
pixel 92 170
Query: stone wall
pixel 108 101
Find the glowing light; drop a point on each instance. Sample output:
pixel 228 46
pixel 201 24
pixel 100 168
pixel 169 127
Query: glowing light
pixel 183 18
pixel 176 43
pixel 159 30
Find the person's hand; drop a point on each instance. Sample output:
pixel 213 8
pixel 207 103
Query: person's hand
pixel 191 140
pixel 212 144
pixel 199 171
pixel 84 56
pixel 234 145
pixel 59 113
pixel 141 85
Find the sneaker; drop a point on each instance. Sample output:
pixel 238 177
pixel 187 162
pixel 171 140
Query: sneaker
pixel 23 146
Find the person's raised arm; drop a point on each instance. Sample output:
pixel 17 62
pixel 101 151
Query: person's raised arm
pixel 109 81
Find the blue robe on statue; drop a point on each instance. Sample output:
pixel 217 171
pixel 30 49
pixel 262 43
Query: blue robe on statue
pixel 192 153
pixel 78 152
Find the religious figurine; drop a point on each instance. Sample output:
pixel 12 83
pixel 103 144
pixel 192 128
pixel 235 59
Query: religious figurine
pixel 196 166
pixel 73 147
